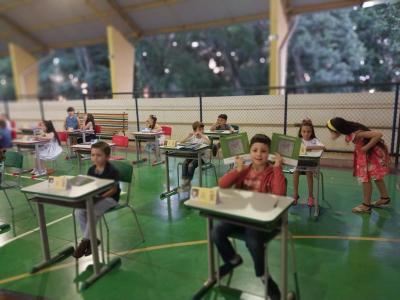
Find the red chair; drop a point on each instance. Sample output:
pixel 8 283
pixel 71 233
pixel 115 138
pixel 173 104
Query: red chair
pixel 167 131
pixel 97 130
pixel 121 142
pixel 13 129
pixel 63 136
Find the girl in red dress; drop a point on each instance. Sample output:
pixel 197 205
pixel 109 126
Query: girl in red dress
pixel 371 159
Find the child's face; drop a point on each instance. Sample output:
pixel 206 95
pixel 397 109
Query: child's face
pixel 71 113
pixel 259 153
pixel 150 121
pixel 306 132
pixel 221 121
pixel 334 134
pixel 199 130
pixel 98 157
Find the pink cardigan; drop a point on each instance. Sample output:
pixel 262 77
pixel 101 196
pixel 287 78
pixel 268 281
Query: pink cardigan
pixel 272 180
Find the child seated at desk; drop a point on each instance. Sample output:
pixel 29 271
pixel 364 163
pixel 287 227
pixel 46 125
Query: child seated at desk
pixel 71 121
pixel 88 124
pixel 5 135
pixel 152 126
pixel 221 124
pixel 307 135
pixel 190 165
pixel 260 176
pixel 48 151
pixel 102 168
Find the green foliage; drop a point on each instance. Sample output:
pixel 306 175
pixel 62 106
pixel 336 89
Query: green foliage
pixel 6 80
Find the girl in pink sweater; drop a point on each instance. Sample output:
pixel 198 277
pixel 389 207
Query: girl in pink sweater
pixel 260 176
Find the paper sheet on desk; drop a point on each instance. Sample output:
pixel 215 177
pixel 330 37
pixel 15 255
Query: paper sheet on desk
pixel 231 160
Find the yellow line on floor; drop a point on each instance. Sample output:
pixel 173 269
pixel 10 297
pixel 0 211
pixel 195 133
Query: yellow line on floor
pixel 348 238
pixel 193 243
pixel 137 250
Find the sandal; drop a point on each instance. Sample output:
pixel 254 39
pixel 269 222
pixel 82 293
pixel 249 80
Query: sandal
pixel 383 201
pixel 362 208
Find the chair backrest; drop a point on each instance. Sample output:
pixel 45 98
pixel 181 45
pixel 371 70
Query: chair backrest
pixel 97 129
pixel 234 126
pixel 63 136
pixel 125 170
pixel 13 134
pixel 167 130
pixel 120 141
pixel 13 160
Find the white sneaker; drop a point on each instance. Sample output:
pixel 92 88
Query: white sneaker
pixel 40 173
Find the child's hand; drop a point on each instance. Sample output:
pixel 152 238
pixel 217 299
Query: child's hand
pixel 239 163
pixel 278 160
pixel 364 149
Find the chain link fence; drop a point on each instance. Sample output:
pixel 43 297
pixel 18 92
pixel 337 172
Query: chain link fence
pixel 256 110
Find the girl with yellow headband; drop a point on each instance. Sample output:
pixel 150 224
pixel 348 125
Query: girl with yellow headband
pixel 371 159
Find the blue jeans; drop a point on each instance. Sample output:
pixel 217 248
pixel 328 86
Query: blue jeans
pixel 188 168
pixel 255 242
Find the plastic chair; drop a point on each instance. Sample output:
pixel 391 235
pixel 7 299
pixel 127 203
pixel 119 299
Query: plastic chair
pixel 125 171
pixel 97 130
pixel 13 160
pixel 167 131
pixel 121 142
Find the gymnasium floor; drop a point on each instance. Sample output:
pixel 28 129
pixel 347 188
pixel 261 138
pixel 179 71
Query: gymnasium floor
pixel 339 256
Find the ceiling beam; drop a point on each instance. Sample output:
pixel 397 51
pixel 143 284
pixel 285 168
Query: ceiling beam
pixel 209 24
pixel 150 5
pixel 295 10
pixel 23 32
pixel 136 31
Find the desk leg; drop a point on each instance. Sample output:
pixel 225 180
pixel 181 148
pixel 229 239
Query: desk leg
pixel 137 145
pixel 79 162
pixel 37 161
pixel 84 137
pixel 48 260
pixel 93 238
pixel 98 270
pixel 200 163
pixel 284 255
pixel 43 232
pixel 211 263
pixel 316 209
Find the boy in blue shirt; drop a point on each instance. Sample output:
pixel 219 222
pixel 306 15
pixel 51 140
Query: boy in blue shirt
pixel 71 121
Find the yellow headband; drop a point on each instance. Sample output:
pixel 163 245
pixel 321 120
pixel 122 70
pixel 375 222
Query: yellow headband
pixel 330 126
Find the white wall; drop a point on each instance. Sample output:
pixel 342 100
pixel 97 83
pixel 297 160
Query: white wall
pixel 254 114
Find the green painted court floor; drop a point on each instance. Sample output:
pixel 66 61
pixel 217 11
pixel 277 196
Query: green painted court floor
pixel 339 256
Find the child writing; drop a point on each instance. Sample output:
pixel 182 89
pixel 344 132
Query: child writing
pixel 152 126
pixel 89 124
pixel 190 165
pixel 102 168
pixel 151 123
pixel 48 151
pixel 71 121
pixel 310 141
pixel 260 176
pixel 371 159
pixel 221 124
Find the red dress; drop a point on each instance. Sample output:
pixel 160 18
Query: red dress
pixel 373 165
